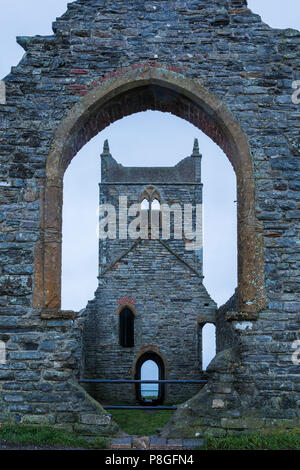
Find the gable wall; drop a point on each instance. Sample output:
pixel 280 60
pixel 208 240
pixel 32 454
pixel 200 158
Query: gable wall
pixel 249 67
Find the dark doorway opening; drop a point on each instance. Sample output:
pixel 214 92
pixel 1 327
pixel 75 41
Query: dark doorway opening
pixel 158 395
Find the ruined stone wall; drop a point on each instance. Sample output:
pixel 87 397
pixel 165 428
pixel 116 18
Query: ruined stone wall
pixel 39 382
pixel 226 336
pixel 222 49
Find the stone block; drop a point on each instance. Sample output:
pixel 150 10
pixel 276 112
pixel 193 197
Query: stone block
pixel 55 375
pixel 39 419
pixel 193 443
pixel 174 444
pixel 27 355
pixel 14 397
pixel 141 443
pixel 95 419
pixel 218 403
pixel 157 442
pixel 228 423
pixel 293 307
pixel 123 443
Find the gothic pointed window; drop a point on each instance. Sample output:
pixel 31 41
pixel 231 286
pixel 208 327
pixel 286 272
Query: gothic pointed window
pixel 145 214
pixel 155 219
pixel 151 211
pixel 126 328
pixel 145 205
pixel 155 205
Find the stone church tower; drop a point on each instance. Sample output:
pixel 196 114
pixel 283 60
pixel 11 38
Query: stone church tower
pixel 151 303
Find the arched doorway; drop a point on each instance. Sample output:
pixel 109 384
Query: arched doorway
pixel 157 395
pixel 154 89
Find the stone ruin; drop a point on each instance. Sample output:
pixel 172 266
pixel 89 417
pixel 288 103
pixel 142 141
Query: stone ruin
pixel 218 66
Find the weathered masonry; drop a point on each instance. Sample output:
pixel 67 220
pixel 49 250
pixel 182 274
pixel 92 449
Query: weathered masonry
pixel 217 65
pixel 151 303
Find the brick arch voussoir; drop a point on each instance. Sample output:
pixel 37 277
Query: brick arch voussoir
pixel 132 92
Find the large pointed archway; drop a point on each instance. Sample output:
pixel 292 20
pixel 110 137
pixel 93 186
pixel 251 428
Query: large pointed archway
pixel 136 90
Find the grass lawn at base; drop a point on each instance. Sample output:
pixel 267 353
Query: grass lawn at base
pixel 254 442
pixel 140 422
pixel 46 436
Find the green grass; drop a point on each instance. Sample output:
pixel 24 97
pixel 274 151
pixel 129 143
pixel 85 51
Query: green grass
pixel 141 422
pixel 254 442
pixel 46 435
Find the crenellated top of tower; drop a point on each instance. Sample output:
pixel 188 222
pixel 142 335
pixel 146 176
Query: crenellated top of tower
pixel 188 170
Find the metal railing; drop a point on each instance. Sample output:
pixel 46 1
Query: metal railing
pixel 128 381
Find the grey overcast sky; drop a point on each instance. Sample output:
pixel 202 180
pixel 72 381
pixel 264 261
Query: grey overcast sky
pixel 144 139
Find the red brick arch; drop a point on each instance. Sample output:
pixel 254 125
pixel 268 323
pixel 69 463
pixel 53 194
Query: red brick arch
pixel 131 92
